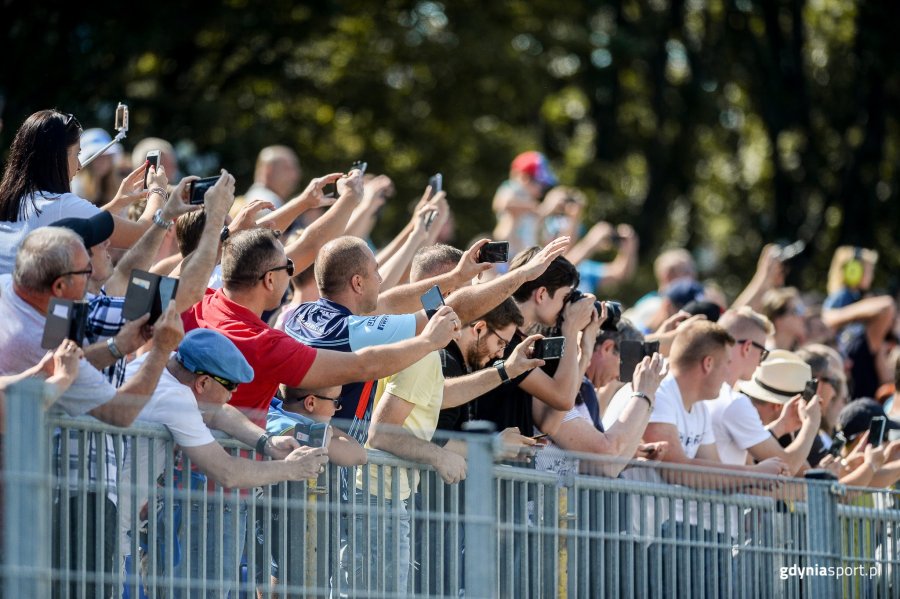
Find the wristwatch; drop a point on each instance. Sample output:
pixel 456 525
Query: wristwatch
pixel 159 221
pixel 114 349
pixel 643 396
pixel 501 370
pixel 261 443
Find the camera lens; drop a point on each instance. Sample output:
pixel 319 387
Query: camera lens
pixel 613 315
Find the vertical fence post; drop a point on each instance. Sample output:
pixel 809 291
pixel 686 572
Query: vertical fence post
pixel 480 534
pixel 823 533
pixel 27 490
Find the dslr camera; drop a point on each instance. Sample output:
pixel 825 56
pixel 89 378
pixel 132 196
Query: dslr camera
pixel 613 310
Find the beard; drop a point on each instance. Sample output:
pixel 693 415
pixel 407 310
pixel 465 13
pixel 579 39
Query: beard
pixel 478 355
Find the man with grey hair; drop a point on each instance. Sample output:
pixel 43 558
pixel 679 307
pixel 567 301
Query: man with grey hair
pixel 52 262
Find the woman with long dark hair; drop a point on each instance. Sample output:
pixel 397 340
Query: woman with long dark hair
pixel 35 190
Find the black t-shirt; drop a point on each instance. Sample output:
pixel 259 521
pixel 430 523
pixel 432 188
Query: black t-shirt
pixel 453 365
pixel 864 377
pixel 507 405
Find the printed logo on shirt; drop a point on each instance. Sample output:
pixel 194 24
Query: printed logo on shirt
pixel 690 441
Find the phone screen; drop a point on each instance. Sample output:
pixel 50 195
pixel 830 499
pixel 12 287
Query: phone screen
pixel 630 355
pixel 432 300
pixel 199 189
pixel 495 251
pixel 549 348
pixel 153 159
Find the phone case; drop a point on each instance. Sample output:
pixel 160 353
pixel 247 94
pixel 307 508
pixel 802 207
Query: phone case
pixel 66 319
pixel 148 293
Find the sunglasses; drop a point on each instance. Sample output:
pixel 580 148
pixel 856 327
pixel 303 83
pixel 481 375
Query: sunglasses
pixel 763 352
pixel 229 385
pixel 289 267
pixel 336 401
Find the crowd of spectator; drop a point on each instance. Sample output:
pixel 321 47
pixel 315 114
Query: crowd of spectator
pixel 286 315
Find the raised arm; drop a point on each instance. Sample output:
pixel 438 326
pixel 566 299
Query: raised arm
pixel 141 255
pixel 309 199
pixel 330 225
pixel 195 273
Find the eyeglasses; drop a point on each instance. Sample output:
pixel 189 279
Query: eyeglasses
pixel 763 352
pixel 289 267
pixel 229 385
pixel 88 271
pixel 336 401
pixel 503 342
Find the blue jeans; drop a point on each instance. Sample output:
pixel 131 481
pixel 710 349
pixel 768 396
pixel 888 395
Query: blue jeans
pixel 220 544
pixel 380 545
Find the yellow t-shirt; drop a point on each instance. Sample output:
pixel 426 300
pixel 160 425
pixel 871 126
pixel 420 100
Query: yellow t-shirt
pixel 422 385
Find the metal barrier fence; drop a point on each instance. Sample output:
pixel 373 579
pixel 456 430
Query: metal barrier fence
pixel 75 529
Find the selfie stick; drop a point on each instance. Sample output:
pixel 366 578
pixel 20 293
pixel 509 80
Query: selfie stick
pixel 122 128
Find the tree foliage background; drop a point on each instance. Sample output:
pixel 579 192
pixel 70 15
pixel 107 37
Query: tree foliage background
pixel 718 125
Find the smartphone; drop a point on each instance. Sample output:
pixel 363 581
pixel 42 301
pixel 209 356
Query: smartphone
pixel 630 355
pixel 66 319
pixel 121 117
pixel 810 390
pixel 432 300
pixel 199 188
pixel 359 164
pixel 837 444
pixel 495 251
pixel 311 434
pixel 430 219
pixel 148 293
pixel 549 348
pixel 876 431
pixel 153 159
pixel 437 184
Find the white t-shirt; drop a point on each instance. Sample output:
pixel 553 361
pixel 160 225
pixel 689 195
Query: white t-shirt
pixel 736 425
pixel 553 458
pixel 52 207
pixel 174 406
pixel 694 427
pixel 21 329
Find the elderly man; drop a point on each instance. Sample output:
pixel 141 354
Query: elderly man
pixel 52 262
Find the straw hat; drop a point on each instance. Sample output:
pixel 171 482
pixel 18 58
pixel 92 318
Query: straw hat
pixel 782 376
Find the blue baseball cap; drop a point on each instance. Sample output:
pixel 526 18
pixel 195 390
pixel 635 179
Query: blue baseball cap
pixel 211 352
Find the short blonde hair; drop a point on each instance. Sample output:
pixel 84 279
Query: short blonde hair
pixel 695 342
pixel 739 321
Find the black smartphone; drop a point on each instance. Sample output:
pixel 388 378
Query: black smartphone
pixel 810 389
pixel 153 159
pixel 549 348
pixel 66 319
pixel 876 431
pixel 837 444
pixel 199 188
pixel 148 293
pixel 311 434
pixel 630 355
pixel 437 184
pixel 495 251
pixel 359 164
pixel 432 300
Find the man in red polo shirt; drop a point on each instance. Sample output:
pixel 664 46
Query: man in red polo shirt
pixel 256 273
